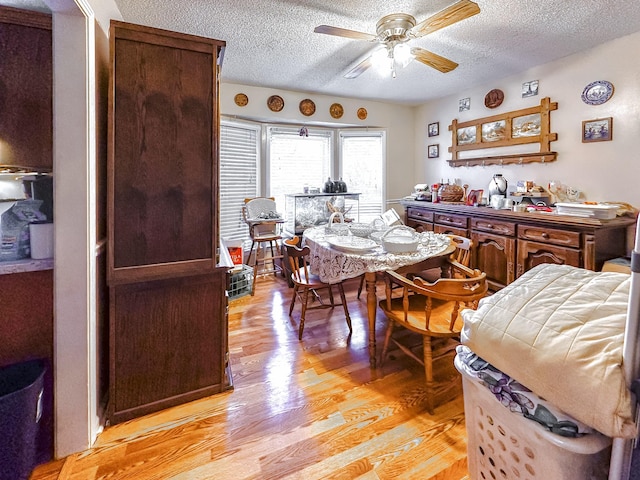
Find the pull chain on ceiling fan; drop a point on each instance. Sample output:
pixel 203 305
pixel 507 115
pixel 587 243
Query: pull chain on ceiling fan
pixel 394 32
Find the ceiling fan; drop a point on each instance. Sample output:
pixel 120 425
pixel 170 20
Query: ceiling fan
pixel 394 32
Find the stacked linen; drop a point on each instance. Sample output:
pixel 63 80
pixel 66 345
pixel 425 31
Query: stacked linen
pixel 559 330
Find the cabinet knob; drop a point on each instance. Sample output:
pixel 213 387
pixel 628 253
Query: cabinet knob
pixel 545 235
pixel 489 225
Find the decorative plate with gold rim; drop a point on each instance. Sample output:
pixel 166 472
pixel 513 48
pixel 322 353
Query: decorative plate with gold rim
pixel 336 110
pixel 307 107
pixel 362 113
pixel 275 103
pixel 241 99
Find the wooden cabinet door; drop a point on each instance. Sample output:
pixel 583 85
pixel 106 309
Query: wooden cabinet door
pixel 531 254
pixel 163 160
pixel 496 256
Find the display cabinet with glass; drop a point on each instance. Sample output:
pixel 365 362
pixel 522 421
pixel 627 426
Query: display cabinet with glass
pixel 305 210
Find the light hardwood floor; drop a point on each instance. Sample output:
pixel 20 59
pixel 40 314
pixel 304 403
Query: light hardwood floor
pixel 310 409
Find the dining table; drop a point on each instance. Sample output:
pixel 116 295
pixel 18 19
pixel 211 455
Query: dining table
pixel 337 257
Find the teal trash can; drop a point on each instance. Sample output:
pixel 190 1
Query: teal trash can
pixel 21 390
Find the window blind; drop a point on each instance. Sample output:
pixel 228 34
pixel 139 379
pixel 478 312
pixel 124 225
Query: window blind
pixel 239 160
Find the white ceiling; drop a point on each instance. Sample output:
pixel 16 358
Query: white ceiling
pixel 271 43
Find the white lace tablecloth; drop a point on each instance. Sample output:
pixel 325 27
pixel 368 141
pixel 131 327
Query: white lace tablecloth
pixel 333 266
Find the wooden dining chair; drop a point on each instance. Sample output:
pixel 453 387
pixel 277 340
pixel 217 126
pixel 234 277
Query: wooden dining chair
pixel 431 310
pixel 306 284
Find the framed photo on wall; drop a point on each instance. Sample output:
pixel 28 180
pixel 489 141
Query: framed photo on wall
pixel 433 151
pixel 598 130
pixel 434 129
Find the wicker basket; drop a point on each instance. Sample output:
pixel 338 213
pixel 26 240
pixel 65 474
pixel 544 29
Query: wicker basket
pixel 450 193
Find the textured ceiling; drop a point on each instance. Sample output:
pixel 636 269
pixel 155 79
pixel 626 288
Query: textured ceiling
pixel 271 43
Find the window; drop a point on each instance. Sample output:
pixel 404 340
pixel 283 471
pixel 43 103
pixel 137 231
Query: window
pixel 296 161
pixel 239 174
pixel 363 160
pixel 293 161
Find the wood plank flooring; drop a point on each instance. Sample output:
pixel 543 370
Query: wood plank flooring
pixel 310 409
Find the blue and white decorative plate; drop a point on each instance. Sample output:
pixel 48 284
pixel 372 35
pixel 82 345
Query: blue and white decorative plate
pixel 597 93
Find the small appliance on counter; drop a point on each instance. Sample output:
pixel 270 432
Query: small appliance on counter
pixel 497 186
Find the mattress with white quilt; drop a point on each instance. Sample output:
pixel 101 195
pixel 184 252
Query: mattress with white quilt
pixel 559 330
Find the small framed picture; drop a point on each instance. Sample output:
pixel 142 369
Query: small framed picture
pixel 464 104
pixel 530 89
pixel 598 130
pixel 433 151
pixel 434 129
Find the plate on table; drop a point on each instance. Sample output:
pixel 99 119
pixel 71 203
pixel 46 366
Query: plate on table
pixel 351 243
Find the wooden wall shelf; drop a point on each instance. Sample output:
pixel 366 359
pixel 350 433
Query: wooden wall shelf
pixel 505 159
pixel 518 127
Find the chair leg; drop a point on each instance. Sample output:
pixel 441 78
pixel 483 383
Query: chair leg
pixel 293 299
pixel 255 265
pixel 305 298
pixel 428 369
pixel 343 298
pixel 360 286
pixel 387 339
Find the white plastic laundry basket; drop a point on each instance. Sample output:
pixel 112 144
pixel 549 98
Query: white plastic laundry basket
pixel 503 445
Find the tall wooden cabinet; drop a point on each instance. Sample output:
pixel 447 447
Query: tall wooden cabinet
pixel 167 297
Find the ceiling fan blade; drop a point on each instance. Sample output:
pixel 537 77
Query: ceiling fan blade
pixel 343 32
pixel 359 69
pixel 433 60
pixel 450 15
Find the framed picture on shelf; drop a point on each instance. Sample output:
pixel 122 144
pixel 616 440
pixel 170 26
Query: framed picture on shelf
pixel 598 130
pixel 434 129
pixel 433 151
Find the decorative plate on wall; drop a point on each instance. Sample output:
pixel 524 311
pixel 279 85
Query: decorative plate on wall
pixel 307 107
pixel 597 93
pixel 275 103
pixel 362 113
pixel 336 110
pixel 241 99
pixel 494 98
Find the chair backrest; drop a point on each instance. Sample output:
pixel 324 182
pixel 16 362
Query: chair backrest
pixel 297 259
pixel 466 289
pixel 257 213
pixel 259 208
pixel 464 247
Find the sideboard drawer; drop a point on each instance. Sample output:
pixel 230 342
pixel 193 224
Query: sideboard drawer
pixel 458 221
pixel 549 235
pixel 499 227
pixel 419 214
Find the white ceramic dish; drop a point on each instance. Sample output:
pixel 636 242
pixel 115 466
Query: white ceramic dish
pixel 400 239
pixel 352 244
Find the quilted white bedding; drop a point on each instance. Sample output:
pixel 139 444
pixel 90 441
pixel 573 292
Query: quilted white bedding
pixel 559 330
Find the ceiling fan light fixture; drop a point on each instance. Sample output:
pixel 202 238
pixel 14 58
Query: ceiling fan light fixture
pixel 402 54
pixel 382 60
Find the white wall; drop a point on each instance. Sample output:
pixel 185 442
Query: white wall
pixel 397 119
pixel 603 171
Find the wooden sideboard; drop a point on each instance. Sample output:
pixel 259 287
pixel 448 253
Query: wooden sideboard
pixel 507 243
